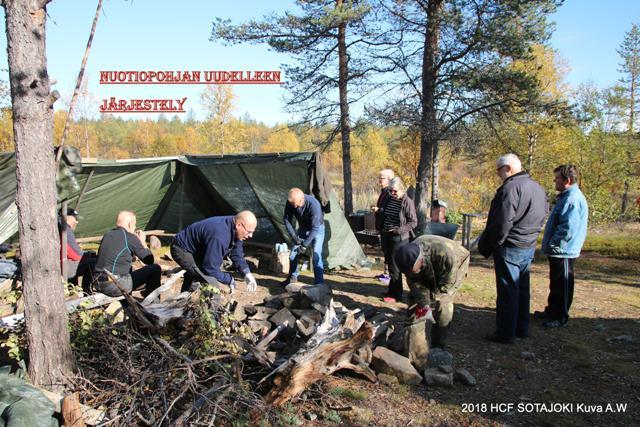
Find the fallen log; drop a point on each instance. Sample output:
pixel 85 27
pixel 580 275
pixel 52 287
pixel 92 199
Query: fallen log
pixel 333 347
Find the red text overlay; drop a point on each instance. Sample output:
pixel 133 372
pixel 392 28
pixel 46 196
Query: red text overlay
pixel 113 105
pixel 189 77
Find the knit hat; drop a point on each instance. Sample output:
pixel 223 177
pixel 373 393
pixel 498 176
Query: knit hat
pixel 406 256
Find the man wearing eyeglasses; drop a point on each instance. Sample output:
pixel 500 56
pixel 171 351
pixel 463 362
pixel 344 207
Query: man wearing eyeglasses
pixel 307 212
pixel 516 216
pixel 201 247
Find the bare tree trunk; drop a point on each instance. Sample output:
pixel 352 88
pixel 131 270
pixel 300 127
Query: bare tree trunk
pixel 345 127
pixel 50 356
pixel 435 178
pixel 76 91
pixel 428 123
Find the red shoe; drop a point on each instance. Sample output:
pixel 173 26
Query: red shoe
pixel 389 299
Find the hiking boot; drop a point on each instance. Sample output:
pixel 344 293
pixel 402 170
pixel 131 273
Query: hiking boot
pixel 288 280
pixel 496 338
pixel 552 324
pixel 540 315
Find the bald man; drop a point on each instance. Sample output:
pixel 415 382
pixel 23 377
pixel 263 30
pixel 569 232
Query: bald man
pixel 117 250
pixel 201 247
pixel 307 212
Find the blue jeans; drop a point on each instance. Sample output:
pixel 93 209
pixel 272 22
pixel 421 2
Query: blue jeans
pixel 318 266
pixel 512 282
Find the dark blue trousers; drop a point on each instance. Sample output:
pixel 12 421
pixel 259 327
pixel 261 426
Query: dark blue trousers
pixel 512 282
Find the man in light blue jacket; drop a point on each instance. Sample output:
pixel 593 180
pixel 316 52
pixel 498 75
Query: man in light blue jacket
pixel 563 238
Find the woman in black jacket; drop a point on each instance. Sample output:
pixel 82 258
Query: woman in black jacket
pixel 398 221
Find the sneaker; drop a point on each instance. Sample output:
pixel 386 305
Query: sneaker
pixel 288 280
pixel 552 324
pixel 496 338
pixel 389 299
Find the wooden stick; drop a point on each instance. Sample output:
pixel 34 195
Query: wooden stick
pixel 165 286
pixel 137 312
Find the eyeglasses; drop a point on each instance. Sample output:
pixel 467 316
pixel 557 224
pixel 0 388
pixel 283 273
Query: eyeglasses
pixel 393 191
pixel 249 232
pixel 383 178
pixel 498 169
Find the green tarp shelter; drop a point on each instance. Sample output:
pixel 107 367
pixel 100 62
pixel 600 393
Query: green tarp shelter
pixel 172 192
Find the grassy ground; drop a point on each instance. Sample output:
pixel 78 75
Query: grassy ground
pixel 578 369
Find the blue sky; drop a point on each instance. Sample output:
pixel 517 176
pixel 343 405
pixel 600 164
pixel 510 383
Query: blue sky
pixel 170 35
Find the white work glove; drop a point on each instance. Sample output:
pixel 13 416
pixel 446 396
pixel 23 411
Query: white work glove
pixel 252 285
pixel 232 286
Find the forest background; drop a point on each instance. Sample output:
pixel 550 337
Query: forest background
pixel 597 130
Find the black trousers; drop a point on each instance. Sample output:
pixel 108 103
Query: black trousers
pixel 390 244
pixel 149 276
pixel 561 283
pixel 192 271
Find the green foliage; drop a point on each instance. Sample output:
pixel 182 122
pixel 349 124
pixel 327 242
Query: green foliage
pixel 351 394
pixel 333 417
pixel 14 340
pixel 288 416
pixel 620 246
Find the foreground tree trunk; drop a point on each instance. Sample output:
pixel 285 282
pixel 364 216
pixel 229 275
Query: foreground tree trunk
pixel 50 356
pixel 345 126
pixel 429 121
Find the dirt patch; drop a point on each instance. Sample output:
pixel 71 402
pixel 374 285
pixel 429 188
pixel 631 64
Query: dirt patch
pixel 575 372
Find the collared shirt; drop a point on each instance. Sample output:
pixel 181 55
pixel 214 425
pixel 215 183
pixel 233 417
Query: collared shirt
pixel 209 241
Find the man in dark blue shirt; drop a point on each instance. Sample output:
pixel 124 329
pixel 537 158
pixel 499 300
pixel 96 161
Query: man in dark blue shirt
pixel 201 247
pixel 308 213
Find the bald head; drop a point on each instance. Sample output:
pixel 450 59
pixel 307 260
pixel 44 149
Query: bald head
pixel 246 223
pixel 296 197
pixel 126 220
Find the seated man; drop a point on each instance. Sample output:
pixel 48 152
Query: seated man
pixel 435 267
pixel 307 211
pixel 115 255
pixel 78 263
pixel 201 247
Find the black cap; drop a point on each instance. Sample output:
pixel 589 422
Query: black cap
pixel 406 256
pixel 72 212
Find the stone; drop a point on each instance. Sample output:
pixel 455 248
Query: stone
pixel 263 313
pixel 528 355
pixel 311 314
pixel 311 416
pixel 395 341
pixel 320 308
pixel 258 325
pixel 239 313
pixel 320 293
pixel 433 377
pixel 625 339
pixel 294 288
pixel 282 316
pixel 253 263
pixel 250 310
pixel 387 379
pixel 297 301
pixel 275 301
pixel 306 326
pixel 438 357
pixel 447 369
pixel 464 377
pixel 388 362
pixel 154 243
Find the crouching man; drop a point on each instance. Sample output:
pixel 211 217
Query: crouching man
pixel 435 267
pixel 201 247
pixel 115 255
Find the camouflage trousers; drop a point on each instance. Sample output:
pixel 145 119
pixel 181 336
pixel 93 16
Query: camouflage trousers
pixel 423 295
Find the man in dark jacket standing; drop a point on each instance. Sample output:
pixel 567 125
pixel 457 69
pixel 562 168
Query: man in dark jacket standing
pixel 308 214
pixel 516 216
pixel 201 247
